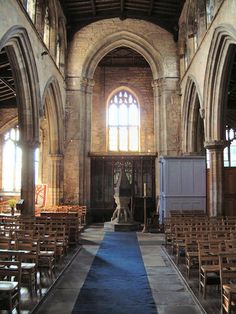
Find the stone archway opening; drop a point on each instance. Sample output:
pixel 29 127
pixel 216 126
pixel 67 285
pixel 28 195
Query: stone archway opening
pixel 122 77
pixel 22 102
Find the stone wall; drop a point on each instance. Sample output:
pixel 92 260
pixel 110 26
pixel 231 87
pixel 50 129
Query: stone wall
pixel 106 80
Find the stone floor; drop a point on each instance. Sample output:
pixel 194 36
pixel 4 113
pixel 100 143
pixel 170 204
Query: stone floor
pixel 170 292
pixel 212 302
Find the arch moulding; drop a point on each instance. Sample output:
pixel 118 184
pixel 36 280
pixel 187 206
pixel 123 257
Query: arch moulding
pixel 216 80
pixel 21 57
pixel 98 51
pixel 191 96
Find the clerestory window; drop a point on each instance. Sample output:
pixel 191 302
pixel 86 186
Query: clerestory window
pixel 30 6
pixel 123 122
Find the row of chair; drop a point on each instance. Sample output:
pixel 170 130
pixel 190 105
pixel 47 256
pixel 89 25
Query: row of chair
pixel 207 244
pixel 28 245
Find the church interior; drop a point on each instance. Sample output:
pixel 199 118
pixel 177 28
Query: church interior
pixel 117 125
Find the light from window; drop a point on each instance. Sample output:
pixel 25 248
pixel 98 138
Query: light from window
pixel 30 6
pixel 12 157
pixel 123 122
pixel 230 149
pixel 46 32
pixel 12 162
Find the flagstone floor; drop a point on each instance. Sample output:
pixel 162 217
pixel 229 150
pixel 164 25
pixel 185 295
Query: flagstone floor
pixel 171 294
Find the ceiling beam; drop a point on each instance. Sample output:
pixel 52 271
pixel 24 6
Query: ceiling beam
pixel 122 9
pixel 93 7
pixel 8 103
pixel 7 85
pixel 150 7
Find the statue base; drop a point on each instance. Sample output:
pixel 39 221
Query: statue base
pixel 121 226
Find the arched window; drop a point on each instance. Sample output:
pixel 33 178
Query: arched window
pixel 46 32
pixel 230 149
pixel 210 5
pixel 58 50
pixel 11 161
pixel 30 6
pixel 123 122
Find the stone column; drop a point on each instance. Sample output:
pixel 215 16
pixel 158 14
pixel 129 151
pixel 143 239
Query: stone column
pixel 167 119
pixel 56 179
pixel 28 177
pixel 167 106
pixel 85 144
pixel 157 128
pixel 78 140
pixel 216 149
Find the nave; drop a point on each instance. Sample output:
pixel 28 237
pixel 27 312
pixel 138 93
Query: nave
pixel 168 289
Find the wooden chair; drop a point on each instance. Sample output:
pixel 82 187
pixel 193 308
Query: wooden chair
pixel 29 265
pixel 191 255
pixel 227 262
pixel 5 243
pixel 47 253
pixel 9 289
pixel 209 270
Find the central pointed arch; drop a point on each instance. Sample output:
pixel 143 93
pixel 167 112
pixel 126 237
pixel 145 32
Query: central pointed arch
pixel 100 49
pixel 126 39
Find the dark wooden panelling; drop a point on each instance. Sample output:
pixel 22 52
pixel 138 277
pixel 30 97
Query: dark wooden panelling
pixel 104 174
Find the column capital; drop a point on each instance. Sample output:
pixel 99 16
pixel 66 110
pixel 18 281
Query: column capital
pixel 29 144
pixel 79 82
pixel 86 81
pixel 215 144
pixel 56 156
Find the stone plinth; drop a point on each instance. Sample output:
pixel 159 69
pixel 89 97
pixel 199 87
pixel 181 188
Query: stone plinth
pixel 115 226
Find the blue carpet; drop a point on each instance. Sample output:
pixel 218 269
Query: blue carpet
pixel 117 281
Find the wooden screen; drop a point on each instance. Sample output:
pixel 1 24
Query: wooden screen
pixel 104 175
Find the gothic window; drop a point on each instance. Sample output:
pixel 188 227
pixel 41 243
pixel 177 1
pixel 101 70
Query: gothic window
pixel 58 47
pixel 11 161
pixel 30 6
pixel 230 149
pixel 46 33
pixel 210 4
pixel 123 122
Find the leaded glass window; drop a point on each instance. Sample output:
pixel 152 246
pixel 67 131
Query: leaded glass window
pixel 11 161
pixel 123 122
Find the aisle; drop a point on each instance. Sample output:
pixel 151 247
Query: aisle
pixel 168 290
pixel 117 281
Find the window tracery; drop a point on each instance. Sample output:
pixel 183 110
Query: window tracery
pixel 123 122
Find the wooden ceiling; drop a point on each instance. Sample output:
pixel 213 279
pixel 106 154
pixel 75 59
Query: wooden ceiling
pixel 7 86
pixel 164 13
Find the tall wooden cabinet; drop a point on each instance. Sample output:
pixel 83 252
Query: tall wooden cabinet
pixel 182 184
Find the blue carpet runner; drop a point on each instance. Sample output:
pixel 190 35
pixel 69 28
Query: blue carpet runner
pixel 117 282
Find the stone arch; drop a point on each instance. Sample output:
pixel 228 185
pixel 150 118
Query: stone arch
pixel 193 113
pixel 216 80
pixel 54 110
pixel 99 50
pixel 217 77
pixel 17 44
pixel 130 40
pixel 53 156
pixel 20 53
